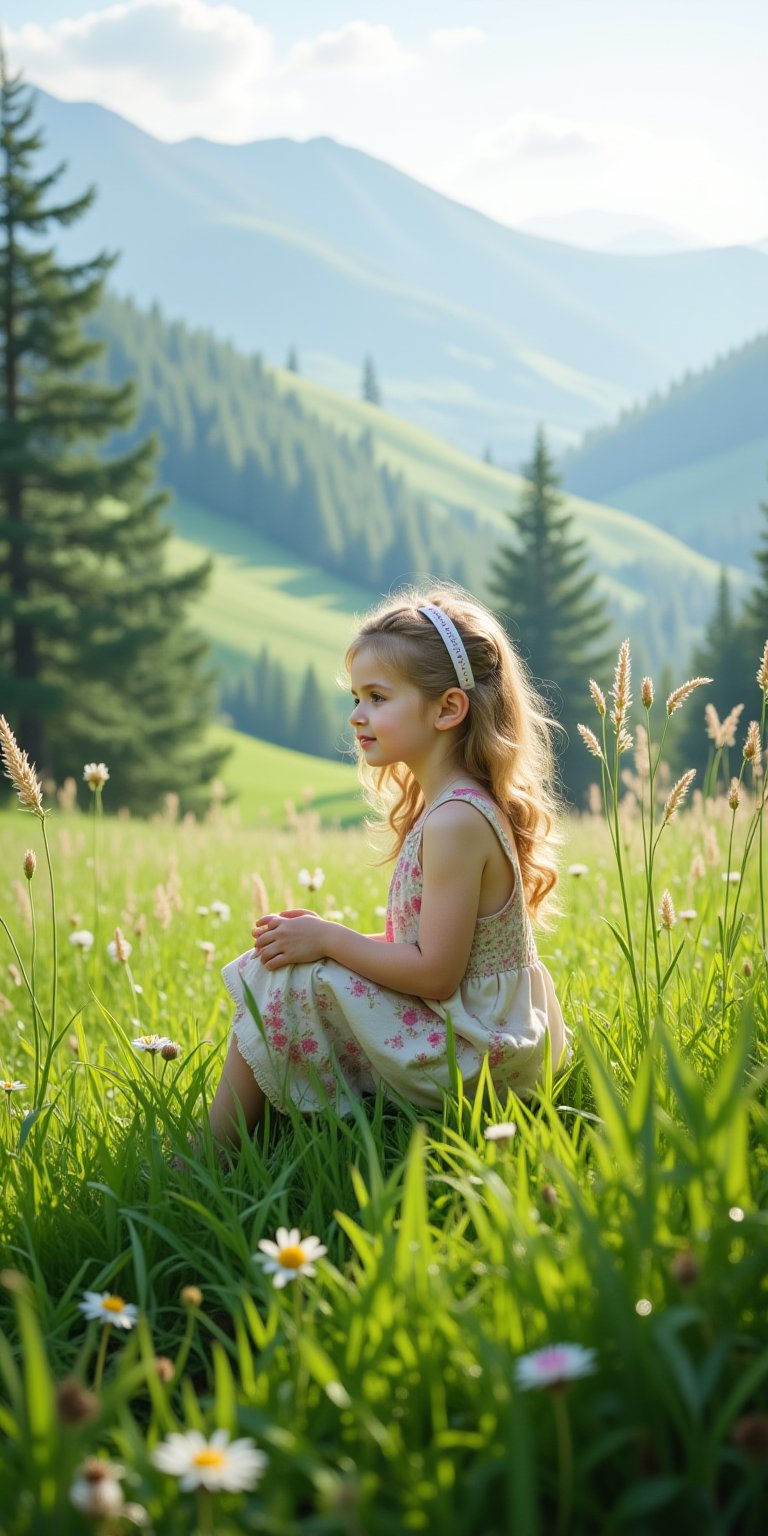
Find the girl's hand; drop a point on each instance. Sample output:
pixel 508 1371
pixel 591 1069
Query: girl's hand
pixel 296 937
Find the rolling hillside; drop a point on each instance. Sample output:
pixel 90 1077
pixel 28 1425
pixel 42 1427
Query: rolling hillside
pixel 264 777
pixel 692 461
pixel 478 331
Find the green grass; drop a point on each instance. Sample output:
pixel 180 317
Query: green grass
pixel 628 1214
pixel 264 778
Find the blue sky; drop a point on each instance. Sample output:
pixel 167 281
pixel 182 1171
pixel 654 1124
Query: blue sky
pixel 519 107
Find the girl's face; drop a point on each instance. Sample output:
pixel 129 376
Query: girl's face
pixel 392 720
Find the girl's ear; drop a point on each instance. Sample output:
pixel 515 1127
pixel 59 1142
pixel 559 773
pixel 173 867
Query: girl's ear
pixel 454 707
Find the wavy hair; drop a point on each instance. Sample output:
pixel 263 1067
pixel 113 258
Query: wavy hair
pixel 505 742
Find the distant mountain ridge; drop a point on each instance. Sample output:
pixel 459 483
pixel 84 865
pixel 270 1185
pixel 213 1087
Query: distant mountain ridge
pixel 478 332
pixel 692 460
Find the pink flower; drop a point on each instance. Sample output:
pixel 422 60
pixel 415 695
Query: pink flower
pixel 555 1366
pixel 410 1017
pixel 309 1046
pixel 294 1051
pixel 352 1048
pixel 416 903
pixel 358 988
pixel 279 1040
pixel 436 1037
pixel 396 1042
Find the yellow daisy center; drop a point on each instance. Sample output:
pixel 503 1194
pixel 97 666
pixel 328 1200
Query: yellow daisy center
pixel 209 1458
pixel 113 1304
pixel 292 1257
pixel 8 1086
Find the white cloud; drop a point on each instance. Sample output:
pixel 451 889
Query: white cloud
pixel 453 39
pixel 359 47
pixel 530 135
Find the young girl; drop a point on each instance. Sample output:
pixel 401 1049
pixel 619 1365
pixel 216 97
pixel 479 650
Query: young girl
pixel 452 740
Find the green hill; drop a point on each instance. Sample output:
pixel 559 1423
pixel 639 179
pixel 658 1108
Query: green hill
pixel 265 777
pixel 693 460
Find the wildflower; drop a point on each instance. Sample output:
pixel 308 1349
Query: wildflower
pixel 95 775
pixel 679 695
pixel 208 949
pixel 622 697
pixel 96 1489
pixel 150 1043
pixel 677 794
pixel 10 1086
pixel 191 1296
pixel 762 671
pixel 731 876
pixel 169 1050
pixel 289 1256
pixel 734 794
pixel 688 915
pixel 30 863
pixel 643 1307
pixel 119 947
pixel 646 692
pixel 74 1403
pixel 81 939
pixel 598 697
pixel 553 1367
pixel 105 1308
pixel 752 743
pixel 312 881
pixel 221 910
pixel 504 1131
pixel 216 1463
pixel 590 741
pixel 22 773
pixel 667 910
pixel 577 870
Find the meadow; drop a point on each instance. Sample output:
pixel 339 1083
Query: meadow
pixel 533 1318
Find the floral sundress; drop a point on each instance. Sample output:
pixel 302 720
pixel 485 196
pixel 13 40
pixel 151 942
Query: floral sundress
pixel 329 1035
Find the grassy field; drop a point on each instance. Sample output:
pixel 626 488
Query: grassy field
pixel 399 1387
pixel 268 781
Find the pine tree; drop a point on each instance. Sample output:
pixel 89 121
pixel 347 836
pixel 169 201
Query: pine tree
pixel 546 598
pixel 370 389
pixel 756 618
pixel 721 656
pixel 292 361
pixel 313 728
pixel 96 659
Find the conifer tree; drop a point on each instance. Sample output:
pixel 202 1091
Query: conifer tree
pixel 721 656
pixel 96 657
pixel 756 617
pixel 292 361
pixel 313 728
pixel 370 390
pixel 545 596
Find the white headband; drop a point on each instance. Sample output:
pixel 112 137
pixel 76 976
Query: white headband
pixel 453 642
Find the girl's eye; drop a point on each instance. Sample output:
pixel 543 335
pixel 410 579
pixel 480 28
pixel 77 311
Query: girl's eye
pixel 376 698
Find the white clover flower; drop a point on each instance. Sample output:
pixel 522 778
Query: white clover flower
pixel 122 952
pixel 289 1256
pixel 688 915
pixel 95 775
pixel 732 877
pixel 221 910
pixel 208 949
pixel 9 1085
pixel 504 1131
pixel 233 1465
pixel 577 870
pixel 314 880
pixel 103 1307
pixel 554 1366
pixel 150 1043
pixel 82 938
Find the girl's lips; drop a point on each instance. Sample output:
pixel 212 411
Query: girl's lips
pixel 365 741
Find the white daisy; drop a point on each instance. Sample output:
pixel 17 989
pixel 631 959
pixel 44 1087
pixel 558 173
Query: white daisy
pixel 151 1043
pixel 221 910
pixel 11 1086
pixel 103 1307
pixel 95 775
pixel 688 915
pixel 554 1366
pixel 289 1256
pixel 96 1490
pixel 502 1132
pixel 577 870
pixel 81 938
pixel 314 880
pixel 732 877
pixel 233 1465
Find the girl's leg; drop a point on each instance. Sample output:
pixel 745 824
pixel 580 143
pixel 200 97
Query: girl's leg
pixel 237 1089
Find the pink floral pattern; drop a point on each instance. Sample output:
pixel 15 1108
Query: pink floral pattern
pixel 329 1035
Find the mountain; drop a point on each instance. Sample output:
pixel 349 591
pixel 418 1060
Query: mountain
pixel 478 332
pixel 692 461
pixel 596 230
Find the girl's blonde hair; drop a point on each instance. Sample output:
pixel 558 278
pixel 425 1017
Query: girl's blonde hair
pixel 505 742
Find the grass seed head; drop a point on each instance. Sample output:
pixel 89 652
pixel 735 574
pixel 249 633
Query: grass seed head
pixel 762 671
pixel 679 695
pixel 20 771
pixel 734 794
pixel 678 793
pixel 622 697
pixel 752 743
pixel 598 696
pixel 667 910
pixel 646 692
pixel 726 736
pixel 30 863
pixel 590 741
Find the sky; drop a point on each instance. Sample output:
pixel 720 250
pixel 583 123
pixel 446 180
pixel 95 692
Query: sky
pixel 521 108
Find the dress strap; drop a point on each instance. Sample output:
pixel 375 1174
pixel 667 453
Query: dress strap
pixel 488 808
